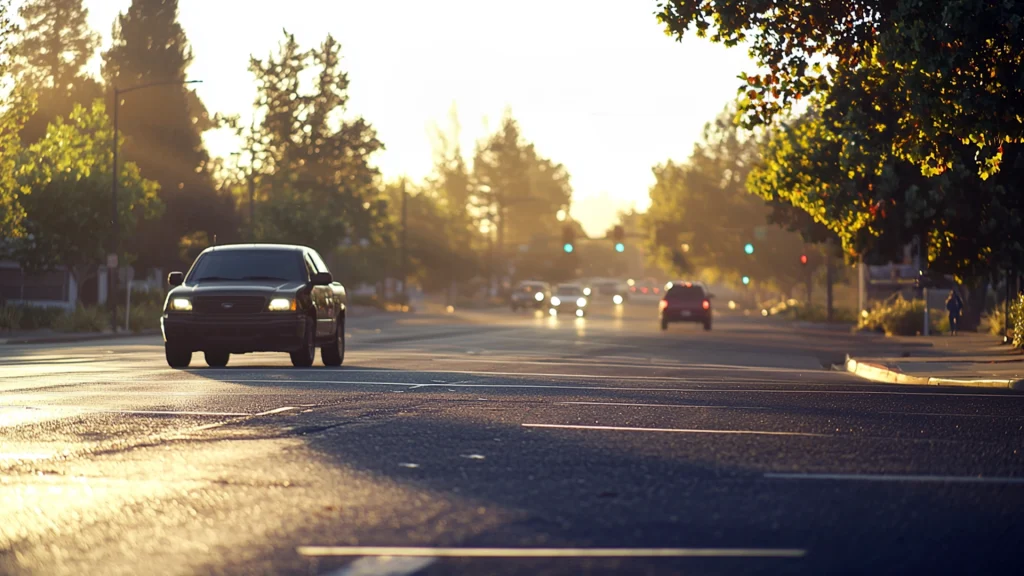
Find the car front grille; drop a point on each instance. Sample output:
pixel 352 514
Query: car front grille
pixel 229 304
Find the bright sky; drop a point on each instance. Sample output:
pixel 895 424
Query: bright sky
pixel 595 84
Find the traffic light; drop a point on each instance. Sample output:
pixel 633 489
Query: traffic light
pixel 568 238
pixel 749 248
pixel 746 280
pixel 803 258
pixel 619 236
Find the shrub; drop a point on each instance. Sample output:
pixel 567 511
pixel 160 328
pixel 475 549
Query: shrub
pixel 10 317
pixel 1017 321
pixel 91 319
pixel 144 315
pixel 995 322
pixel 901 317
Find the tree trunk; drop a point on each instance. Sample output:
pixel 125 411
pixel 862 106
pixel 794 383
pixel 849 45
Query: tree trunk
pixel 974 306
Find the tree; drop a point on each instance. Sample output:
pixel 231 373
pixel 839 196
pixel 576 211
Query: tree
pixel 11 121
pixel 518 190
pixel 163 128
pixel 53 47
pixel 318 186
pixel 64 185
pixel 957 62
pixel 704 205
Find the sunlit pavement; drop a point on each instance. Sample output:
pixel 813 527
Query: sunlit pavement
pixel 501 443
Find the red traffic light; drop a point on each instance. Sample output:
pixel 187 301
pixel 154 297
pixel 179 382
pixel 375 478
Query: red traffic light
pixel 803 258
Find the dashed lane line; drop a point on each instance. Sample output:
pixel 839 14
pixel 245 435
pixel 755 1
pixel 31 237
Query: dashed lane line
pixel 678 430
pixel 898 478
pixel 427 552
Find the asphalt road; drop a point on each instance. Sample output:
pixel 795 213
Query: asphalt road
pixel 504 444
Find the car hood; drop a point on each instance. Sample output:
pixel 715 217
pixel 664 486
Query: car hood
pixel 262 288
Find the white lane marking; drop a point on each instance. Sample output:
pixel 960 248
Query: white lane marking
pixel 664 405
pixel 88 410
pixel 677 430
pixel 818 390
pixel 425 552
pixel 274 411
pixel 383 566
pixel 641 363
pixel 898 478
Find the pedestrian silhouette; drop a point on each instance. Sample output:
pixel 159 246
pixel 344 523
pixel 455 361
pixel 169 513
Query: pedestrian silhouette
pixel 955 307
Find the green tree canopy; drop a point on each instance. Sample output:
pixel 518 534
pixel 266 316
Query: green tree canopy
pixel 52 49
pixel 957 63
pixel 163 128
pixel 318 186
pixel 64 183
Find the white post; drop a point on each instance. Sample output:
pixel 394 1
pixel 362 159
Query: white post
pixel 128 308
pixel 861 286
pixel 926 319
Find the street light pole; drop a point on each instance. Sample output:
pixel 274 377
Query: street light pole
pixel 115 230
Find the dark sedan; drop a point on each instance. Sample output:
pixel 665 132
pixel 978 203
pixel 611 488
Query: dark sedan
pixel 255 298
pixel 685 302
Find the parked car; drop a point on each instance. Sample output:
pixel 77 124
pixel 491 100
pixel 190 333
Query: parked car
pixel 246 298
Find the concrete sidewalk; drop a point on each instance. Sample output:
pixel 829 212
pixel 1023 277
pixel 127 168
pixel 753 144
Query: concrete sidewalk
pixel 968 359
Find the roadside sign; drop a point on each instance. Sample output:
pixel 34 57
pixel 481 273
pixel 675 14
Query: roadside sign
pixel 111 260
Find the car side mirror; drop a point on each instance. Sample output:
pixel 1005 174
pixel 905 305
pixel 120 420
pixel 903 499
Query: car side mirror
pixel 176 278
pixel 322 279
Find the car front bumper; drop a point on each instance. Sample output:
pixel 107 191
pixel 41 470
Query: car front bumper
pixel 237 334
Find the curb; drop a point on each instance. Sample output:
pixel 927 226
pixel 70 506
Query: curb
pixel 72 338
pixel 884 374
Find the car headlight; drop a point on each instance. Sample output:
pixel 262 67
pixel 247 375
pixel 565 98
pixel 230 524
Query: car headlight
pixel 586 291
pixel 281 304
pixel 617 299
pixel 539 296
pixel 555 301
pixel 581 302
pixel 180 304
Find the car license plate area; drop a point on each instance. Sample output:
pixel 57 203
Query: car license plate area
pixel 684 313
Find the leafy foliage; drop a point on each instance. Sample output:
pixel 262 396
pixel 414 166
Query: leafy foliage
pixel 318 187
pixel 64 183
pixel 163 126
pixel 900 317
pixel 704 205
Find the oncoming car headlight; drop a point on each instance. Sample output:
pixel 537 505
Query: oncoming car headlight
pixel 556 301
pixel 281 304
pixel 586 291
pixel 617 299
pixel 581 302
pixel 539 296
pixel 180 304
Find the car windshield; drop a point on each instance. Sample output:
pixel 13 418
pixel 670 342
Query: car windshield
pixel 531 287
pixel 569 291
pixel 240 265
pixel 685 293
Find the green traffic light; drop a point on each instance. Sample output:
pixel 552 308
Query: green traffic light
pixel 749 248
pixel 746 280
pixel 568 248
pixel 620 247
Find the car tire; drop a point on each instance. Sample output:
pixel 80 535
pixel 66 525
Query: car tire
pixel 334 355
pixel 304 358
pixel 216 358
pixel 664 325
pixel 177 357
pixel 707 325
pixel 515 308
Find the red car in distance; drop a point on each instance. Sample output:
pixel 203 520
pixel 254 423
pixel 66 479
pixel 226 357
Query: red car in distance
pixel 685 302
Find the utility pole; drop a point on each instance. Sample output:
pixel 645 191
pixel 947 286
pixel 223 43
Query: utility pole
pixel 252 180
pixel 115 231
pixel 828 281
pixel 405 230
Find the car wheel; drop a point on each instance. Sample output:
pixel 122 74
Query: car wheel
pixel 515 308
pixel 664 325
pixel 707 325
pixel 304 358
pixel 177 357
pixel 216 358
pixel 334 354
